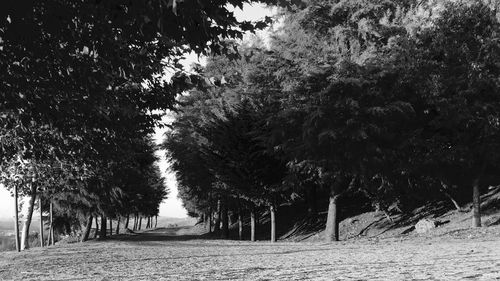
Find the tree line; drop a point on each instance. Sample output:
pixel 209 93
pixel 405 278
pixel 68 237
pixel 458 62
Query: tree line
pixel 396 102
pixel 82 89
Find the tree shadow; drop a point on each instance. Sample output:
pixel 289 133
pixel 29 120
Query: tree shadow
pixel 491 201
pixel 496 222
pixel 158 235
pixel 434 210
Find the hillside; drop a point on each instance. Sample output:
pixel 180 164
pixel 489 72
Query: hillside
pixel 292 225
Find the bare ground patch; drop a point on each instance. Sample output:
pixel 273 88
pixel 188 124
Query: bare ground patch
pixel 180 254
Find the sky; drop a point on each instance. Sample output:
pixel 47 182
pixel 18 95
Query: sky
pixel 172 206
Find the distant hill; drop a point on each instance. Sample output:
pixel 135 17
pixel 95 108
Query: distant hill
pixel 7 226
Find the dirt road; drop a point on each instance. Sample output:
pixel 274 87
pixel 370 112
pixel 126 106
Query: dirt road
pixel 176 254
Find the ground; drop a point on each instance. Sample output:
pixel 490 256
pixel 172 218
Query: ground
pixel 181 254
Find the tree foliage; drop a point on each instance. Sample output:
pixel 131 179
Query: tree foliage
pixel 394 100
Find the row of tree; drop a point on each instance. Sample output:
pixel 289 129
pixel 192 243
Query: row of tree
pixel 396 101
pixel 81 91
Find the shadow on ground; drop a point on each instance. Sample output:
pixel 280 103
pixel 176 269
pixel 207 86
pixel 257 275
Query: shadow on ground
pixel 160 234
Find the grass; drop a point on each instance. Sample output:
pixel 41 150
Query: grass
pixel 8 243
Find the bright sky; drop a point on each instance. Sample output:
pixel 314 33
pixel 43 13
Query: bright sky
pixel 172 207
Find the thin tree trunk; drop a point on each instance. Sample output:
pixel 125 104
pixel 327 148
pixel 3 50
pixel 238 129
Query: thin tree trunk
pixel 96 227
pixel 240 226
pixel 252 225
pixel 332 227
pixel 16 219
pixel 27 222
pixel 156 221
pixel 110 226
pixel 476 203
pixel 41 219
pixel 118 225
pixel 51 222
pixel 88 227
pixel 453 201
pixel 217 220
pixel 444 189
pixel 273 223
pixel 140 223
pixel 135 222
pixel 148 223
pixel 104 228
pixel 225 221
pixel 127 221
pixel 230 218
pixel 210 221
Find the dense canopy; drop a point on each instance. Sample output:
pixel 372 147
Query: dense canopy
pixel 393 103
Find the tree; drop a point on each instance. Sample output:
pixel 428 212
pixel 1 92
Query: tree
pixel 459 55
pixel 74 69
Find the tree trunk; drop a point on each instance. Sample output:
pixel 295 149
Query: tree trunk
pixel 252 225
pixel 110 226
pixel 217 220
pixel 118 225
pixel 27 222
pixel 156 221
pixel 135 222
pixel 88 227
pixel 16 219
pixel 444 189
pixel 148 223
pixel 140 223
pixel 127 221
pixel 240 226
pixel 273 223
pixel 41 219
pixel 225 221
pixel 210 221
pixel 51 222
pixel 104 228
pixel 476 203
pixel 332 226
pixel 230 218
pixel 453 201
pixel 96 227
